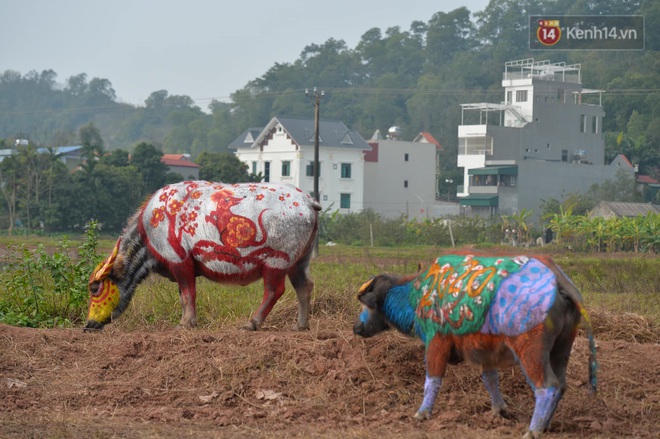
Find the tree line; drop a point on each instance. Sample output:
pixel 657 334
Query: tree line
pixel 40 194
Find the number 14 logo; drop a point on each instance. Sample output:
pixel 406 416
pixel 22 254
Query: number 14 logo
pixel 548 32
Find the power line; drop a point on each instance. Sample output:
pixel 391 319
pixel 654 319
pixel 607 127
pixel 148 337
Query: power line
pixel 621 92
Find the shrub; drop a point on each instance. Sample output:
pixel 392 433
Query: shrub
pixel 47 290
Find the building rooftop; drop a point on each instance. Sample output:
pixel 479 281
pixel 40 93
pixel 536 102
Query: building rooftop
pixel 528 68
pixel 332 133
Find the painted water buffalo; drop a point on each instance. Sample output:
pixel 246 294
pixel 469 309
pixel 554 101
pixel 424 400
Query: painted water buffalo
pixel 491 311
pixel 230 233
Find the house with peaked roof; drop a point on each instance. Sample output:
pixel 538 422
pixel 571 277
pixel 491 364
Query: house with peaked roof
pixel 401 177
pixel 181 164
pixel 619 209
pixel 648 187
pixel 283 151
pixel 71 156
pixel 544 140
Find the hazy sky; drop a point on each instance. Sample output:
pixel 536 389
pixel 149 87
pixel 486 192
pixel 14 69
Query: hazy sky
pixel 203 49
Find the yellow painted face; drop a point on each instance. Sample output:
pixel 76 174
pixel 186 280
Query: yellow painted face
pixel 104 293
pixel 104 302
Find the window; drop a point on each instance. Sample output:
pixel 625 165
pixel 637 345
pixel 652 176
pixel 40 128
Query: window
pixel 405 183
pixel 254 168
pixel 594 124
pixel 345 170
pixel 509 97
pixel 564 155
pixel 405 157
pixel 345 201
pixel 560 95
pixel 286 168
pixel 475 145
pixel 521 96
pixel 583 123
pixel 309 171
pixel 266 172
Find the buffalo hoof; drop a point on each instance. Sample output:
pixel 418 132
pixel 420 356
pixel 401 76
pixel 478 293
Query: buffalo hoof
pixel 423 416
pixel 499 411
pixel 249 326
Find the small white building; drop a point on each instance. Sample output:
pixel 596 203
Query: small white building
pixel 283 151
pixel 401 177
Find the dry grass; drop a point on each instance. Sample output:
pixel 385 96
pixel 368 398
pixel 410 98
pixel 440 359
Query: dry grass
pixel 630 327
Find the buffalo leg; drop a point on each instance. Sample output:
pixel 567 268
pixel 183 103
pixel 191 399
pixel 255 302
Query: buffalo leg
pixel 559 356
pixel 187 295
pixel 299 277
pixel 491 380
pixel 534 357
pixel 274 285
pixel 437 356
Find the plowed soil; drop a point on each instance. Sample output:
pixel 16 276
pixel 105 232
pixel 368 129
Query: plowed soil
pixel 171 383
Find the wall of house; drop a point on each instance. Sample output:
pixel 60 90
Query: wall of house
pixel 507 145
pixel 385 181
pixel 557 127
pixel 188 172
pixel 540 181
pixel 331 185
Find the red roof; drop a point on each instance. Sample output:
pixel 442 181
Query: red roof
pixel 178 160
pixel 430 139
pixel 646 179
pixel 625 159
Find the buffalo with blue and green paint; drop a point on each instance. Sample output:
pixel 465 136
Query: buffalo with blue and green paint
pixel 490 310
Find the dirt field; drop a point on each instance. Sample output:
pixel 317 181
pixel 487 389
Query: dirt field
pixel 324 382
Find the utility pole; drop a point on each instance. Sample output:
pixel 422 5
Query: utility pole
pixel 316 96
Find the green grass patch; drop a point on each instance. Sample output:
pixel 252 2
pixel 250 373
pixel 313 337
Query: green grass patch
pixel 49 288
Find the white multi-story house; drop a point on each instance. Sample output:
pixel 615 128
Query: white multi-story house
pixel 543 141
pixel 283 151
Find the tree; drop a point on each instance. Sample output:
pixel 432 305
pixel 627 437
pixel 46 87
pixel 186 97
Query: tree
pixel 146 160
pixel 110 196
pixel 118 157
pixel 623 188
pixel 9 181
pixel 224 167
pixel 92 143
pixel 449 34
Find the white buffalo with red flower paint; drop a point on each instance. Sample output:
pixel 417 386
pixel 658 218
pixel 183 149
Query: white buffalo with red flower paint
pixel 230 233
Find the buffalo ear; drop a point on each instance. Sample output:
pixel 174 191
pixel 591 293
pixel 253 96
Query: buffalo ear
pixel 369 300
